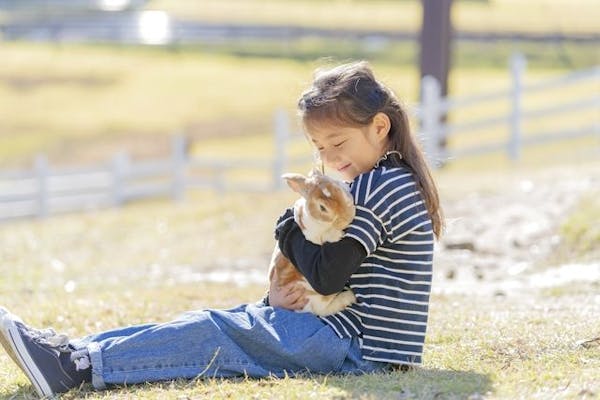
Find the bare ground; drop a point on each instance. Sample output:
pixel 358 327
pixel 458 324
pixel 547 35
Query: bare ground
pixel 505 236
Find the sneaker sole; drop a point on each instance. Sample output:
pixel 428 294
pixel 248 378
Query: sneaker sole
pixel 5 343
pixel 11 340
pixel 9 350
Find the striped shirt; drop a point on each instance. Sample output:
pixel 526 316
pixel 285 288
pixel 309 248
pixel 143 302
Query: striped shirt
pixel 393 283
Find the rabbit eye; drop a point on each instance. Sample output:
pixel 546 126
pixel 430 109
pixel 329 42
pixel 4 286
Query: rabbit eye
pixel 322 207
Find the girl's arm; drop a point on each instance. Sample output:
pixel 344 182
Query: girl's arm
pixel 328 267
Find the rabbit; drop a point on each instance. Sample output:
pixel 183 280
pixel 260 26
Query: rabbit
pixel 324 209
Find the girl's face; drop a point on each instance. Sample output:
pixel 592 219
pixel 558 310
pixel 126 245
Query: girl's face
pixel 351 151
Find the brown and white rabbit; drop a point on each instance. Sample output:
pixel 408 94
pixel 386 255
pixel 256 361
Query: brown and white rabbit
pixel 324 209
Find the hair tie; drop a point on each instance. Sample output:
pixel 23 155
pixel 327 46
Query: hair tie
pixel 389 154
pixel 376 98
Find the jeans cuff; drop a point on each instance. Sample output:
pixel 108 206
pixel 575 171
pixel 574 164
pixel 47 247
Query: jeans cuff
pixel 97 367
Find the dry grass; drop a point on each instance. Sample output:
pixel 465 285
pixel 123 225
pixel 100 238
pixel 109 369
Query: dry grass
pixel 83 273
pixel 499 15
pixel 152 260
pixel 83 103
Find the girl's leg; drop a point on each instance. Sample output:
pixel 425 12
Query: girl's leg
pixel 248 340
pixel 82 343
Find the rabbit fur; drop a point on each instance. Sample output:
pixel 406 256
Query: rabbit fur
pixel 323 211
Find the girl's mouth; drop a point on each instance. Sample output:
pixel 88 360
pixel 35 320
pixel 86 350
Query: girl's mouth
pixel 342 168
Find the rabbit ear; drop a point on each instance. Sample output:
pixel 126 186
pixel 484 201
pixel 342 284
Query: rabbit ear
pixel 297 182
pixel 315 172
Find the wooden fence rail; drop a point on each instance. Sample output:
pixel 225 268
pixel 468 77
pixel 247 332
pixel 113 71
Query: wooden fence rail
pixel 45 189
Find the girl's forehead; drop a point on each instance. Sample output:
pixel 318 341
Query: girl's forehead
pixel 323 132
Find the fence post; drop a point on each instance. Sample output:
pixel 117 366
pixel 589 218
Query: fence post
pixel 120 166
pixel 41 172
pixel 219 179
pixel 179 146
pixel 281 136
pixel 518 63
pixel 430 118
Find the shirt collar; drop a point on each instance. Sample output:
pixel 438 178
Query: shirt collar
pixel 392 156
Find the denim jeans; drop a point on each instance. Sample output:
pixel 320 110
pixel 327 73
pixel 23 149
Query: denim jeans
pixel 249 340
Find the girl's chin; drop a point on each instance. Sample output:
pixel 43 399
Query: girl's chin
pixel 348 177
pixel 343 176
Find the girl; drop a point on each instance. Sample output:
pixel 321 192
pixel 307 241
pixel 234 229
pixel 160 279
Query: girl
pixel 362 133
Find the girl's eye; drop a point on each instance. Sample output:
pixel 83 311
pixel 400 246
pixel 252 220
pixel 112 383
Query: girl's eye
pixel 339 144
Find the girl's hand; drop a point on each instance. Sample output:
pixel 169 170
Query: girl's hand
pixel 291 296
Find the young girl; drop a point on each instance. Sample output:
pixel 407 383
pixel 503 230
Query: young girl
pixel 361 132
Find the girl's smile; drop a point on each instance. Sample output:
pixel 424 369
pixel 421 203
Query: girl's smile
pixel 341 169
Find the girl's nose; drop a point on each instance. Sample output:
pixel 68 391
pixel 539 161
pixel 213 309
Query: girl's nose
pixel 329 156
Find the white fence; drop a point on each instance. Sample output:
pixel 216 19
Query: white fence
pixel 46 190
pixel 435 131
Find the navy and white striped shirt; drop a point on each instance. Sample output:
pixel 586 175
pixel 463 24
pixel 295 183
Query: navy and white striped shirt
pixel 393 284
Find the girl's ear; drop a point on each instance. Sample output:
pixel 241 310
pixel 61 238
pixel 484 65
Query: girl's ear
pixel 297 182
pixel 381 125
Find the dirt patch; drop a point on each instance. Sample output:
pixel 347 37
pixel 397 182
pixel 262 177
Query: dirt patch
pixel 502 240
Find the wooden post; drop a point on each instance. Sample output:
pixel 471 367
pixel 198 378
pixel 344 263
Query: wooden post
pixel 219 179
pixel 430 119
pixel 179 158
pixel 41 172
pixel 279 158
pixel 436 36
pixel 518 63
pixel 120 165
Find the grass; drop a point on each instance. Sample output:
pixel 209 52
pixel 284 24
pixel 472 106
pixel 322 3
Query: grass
pixel 149 261
pixel 83 273
pixel 581 231
pixel 467 55
pixel 498 15
pixel 79 103
pixel 83 102
pixel 135 93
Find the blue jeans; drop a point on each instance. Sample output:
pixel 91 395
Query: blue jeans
pixel 249 340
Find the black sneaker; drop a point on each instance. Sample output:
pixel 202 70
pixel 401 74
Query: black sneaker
pixel 43 355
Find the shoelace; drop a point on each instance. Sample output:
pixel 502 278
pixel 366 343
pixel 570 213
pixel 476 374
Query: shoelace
pixel 59 342
pixel 49 337
pixel 82 363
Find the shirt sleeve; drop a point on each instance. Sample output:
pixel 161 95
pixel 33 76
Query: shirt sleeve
pixel 388 207
pixel 327 267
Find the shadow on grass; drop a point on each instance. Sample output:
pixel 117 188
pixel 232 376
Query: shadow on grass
pixel 417 383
